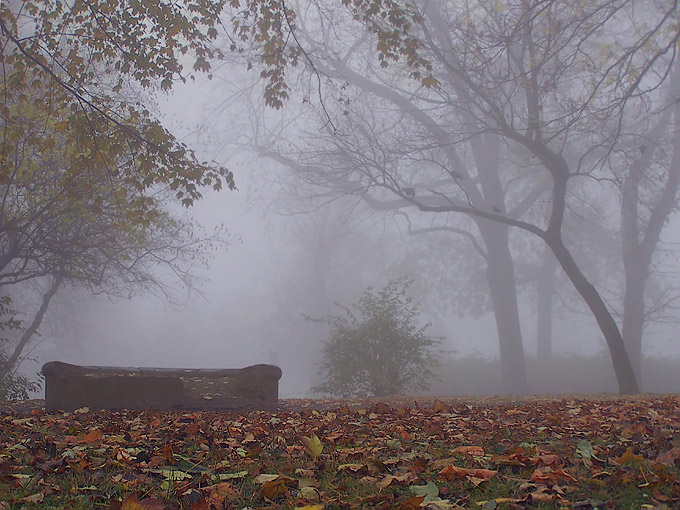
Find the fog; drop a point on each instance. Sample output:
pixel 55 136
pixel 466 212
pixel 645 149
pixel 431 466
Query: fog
pixel 249 305
pixel 365 175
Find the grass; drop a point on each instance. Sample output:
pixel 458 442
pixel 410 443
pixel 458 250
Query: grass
pixel 559 453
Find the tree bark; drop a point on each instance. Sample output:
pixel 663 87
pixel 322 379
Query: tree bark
pixel 545 290
pixel 12 361
pixel 500 274
pixel 622 366
pixel 634 315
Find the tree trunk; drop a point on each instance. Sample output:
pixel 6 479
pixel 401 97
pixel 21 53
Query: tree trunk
pixel 503 291
pixel 622 366
pixel 545 289
pixel 13 360
pixel 634 316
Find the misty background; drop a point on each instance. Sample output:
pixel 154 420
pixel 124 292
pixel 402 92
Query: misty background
pixel 291 249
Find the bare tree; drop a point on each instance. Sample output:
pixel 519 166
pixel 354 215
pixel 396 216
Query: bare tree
pixel 544 86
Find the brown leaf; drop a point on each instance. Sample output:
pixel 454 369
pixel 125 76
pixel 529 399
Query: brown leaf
pixel 404 479
pixel 201 504
pixel 670 456
pixel 546 475
pixel 275 489
pixel 474 451
pixel 629 457
pixel 132 502
pixel 452 472
pixel 412 503
pixel 380 408
pixel 91 437
pixel 439 406
pixel 219 493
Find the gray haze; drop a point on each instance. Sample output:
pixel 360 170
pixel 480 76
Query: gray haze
pixel 291 252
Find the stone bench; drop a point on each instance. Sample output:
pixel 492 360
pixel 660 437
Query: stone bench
pixel 69 387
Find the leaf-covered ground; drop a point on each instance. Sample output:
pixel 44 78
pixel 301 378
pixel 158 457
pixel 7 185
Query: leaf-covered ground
pixel 573 453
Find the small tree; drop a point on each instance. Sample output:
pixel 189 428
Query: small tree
pixel 376 347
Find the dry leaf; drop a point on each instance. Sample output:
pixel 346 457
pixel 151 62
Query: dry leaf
pixel 313 446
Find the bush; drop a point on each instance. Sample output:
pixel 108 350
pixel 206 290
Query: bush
pixel 376 347
pixel 13 386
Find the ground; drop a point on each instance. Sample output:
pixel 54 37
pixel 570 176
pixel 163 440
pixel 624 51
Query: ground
pixel 404 453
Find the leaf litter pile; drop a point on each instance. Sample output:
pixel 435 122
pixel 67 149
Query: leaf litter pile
pixel 571 453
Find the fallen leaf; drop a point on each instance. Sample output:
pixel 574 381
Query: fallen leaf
pixel 412 503
pixel 310 493
pixel 404 479
pixel 429 491
pixel 313 446
pixel 473 451
pixel 439 406
pixel 452 472
pixel 629 457
pixel 265 477
pixel 34 498
pixel 220 492
pixel 670 456
pixel 132 502
pixel 584 450
pixel 545 474
pixel 275 489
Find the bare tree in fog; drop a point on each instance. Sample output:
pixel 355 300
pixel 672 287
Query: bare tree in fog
pixel 649 180
pixel 545 87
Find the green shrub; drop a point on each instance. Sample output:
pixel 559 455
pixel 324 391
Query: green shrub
pixel 377 346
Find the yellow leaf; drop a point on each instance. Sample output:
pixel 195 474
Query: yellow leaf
pixel 313 446
pixel 309 507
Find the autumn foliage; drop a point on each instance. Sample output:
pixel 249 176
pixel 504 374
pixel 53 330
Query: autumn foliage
pixel 404 454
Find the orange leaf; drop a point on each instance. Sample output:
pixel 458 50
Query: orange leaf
pixel 133 503
pixel 219 493
pixel 629 456
pixel 544 474
pixel 474 451
pixel 452 472
pixel 91 437
pixel 412 503
pixel 275 489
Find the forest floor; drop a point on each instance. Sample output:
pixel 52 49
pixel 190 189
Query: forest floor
pixel 406 453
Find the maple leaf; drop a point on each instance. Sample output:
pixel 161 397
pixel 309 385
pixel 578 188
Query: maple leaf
pixel 313 446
